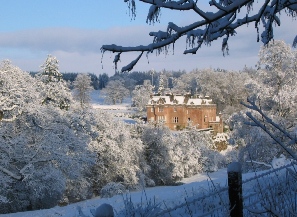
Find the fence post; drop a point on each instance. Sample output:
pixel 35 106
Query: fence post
pixel 235 189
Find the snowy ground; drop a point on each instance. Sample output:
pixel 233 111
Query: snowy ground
pixel 171 194
pixel 97 101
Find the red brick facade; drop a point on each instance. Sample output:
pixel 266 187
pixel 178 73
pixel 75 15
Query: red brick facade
pixel 179 112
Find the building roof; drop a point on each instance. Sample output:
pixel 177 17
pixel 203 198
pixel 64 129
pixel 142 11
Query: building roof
pixel 179 100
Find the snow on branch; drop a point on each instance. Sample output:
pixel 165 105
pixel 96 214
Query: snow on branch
pixel 211 26
pixel 130 66
pixel 11 174
pixel 252 105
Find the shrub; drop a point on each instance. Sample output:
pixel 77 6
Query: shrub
pixel 112 189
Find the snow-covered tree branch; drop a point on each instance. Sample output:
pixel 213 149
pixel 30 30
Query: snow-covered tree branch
pixel 210 26
pixel 263 125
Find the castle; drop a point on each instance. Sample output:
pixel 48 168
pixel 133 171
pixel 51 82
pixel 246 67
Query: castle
pixel 184 111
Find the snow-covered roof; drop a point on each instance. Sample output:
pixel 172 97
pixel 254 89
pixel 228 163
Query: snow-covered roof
pixel 179 100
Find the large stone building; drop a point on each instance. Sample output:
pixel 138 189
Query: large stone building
pixel 184 111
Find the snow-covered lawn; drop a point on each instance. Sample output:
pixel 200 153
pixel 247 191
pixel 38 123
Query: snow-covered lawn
pixel 120 111
pixel 97 101
pixel 172 195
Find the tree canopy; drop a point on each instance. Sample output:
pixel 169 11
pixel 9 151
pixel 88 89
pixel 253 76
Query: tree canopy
pixel 221 21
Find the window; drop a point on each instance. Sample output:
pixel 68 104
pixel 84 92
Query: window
pixel 160 109
pixel 175 120
pixel 174 109
pixel 152 109
pixel 161 118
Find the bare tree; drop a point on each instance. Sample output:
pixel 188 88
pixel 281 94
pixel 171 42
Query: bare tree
pixel 212 25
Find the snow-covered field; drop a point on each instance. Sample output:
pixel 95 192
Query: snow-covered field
pixel 119 110
pixel 97 101
pixel 166 196
pixel 171 194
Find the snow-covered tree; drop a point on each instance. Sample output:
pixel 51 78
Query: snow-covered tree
pixel 39 149
pixel 220 20
pixel 173 156
pixel 272 91
pixel 129 84
pixel 276 78
pixel 158 143
pixel 253 144
pixel 103 80
pixel 184 84
pixel 141 96
pixel 119 153
pixel 226 88
pixel 194 152
pixel 82 88
pixel 115 91
pixel 50 69
pixel 54 88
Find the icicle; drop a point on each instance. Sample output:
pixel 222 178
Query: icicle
pixel 148 61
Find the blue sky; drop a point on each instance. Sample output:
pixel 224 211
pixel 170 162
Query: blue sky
pixel 74 31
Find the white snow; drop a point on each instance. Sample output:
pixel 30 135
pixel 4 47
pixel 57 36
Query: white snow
pixel 180 100
pixel 170 194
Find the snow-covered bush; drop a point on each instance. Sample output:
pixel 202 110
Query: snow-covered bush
pixel 173 156
pixel 112 189
pixel 77 189
pixel 39 148
pixel 194 152
pixel 146 181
